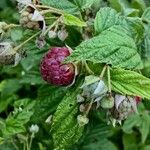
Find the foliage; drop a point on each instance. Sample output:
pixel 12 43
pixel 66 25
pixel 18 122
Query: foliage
pixel 34 114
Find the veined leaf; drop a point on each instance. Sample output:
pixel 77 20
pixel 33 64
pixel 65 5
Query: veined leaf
pixel 47 102
pixel 146 15
pixel 112 46
pixel 65 129
pixel 73 21
pixel 63 5
pixel 105 18
pixel 130 83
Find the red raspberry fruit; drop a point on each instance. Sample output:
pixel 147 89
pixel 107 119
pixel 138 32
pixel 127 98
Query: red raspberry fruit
pixel 52 69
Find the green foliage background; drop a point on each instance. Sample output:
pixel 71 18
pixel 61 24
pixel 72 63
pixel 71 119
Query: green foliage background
pixel 22 87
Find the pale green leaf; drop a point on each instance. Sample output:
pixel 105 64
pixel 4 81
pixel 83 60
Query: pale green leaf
pixel 73 21
pixel 113 46
pixel 130 83
pixel 65 129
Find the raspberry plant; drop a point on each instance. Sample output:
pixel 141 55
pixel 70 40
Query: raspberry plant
pixel 74 74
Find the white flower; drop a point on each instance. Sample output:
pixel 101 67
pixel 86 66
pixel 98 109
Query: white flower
pixel 34 128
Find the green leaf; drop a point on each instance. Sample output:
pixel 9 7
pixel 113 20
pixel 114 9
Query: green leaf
pixel 132 121
pixel 136 27
pixel 73 21
pixel 130 83
pixel 63 5
pixel 138 4
pixel 105 18
pixel 146 15
pixel 16 34
pixel 113 46
pixel 119 5
pixel 129 141
pixel 15 122
pixel 47 102
pixel 65 129
pixel 145 126
pixel 84 4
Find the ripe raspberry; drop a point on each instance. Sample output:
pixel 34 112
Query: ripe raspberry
pixel 52 69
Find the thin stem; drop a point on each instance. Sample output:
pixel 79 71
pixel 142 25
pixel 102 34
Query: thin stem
pixel 51 26
pixel 22 44
pixel 14 144
pixel 109 80
pixel 31 139
pixel 89 107
pixel 87 68
pixel 50 11
pixel 11 26
pixel 103 71
pixel 58 11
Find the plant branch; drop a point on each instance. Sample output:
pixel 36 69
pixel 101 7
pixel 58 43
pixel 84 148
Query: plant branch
pixel 22 44
pixel 109 80
pixel 103 72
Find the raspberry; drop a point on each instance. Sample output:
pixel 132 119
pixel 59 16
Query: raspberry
pixel 25 19
pixel 125 105
pixel 52 69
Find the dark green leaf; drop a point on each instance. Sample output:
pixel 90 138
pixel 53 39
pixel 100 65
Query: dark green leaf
pixel 63 5
pixel 65 129
pixel 112 46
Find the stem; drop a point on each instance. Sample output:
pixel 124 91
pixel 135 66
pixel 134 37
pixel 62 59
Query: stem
pixel 51 26
pixel 103 72
pixel 11 26
pixel 50 11
pixel 87 68
pixel 22 44
pixel 31 139
pixel 50 8
pixel 16 147
pixel 89 107
pixel 109 80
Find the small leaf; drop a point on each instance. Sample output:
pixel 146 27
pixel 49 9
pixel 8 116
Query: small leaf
pixel 73 21
pixel 130 83
pixel 113 46
pixel 65 129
